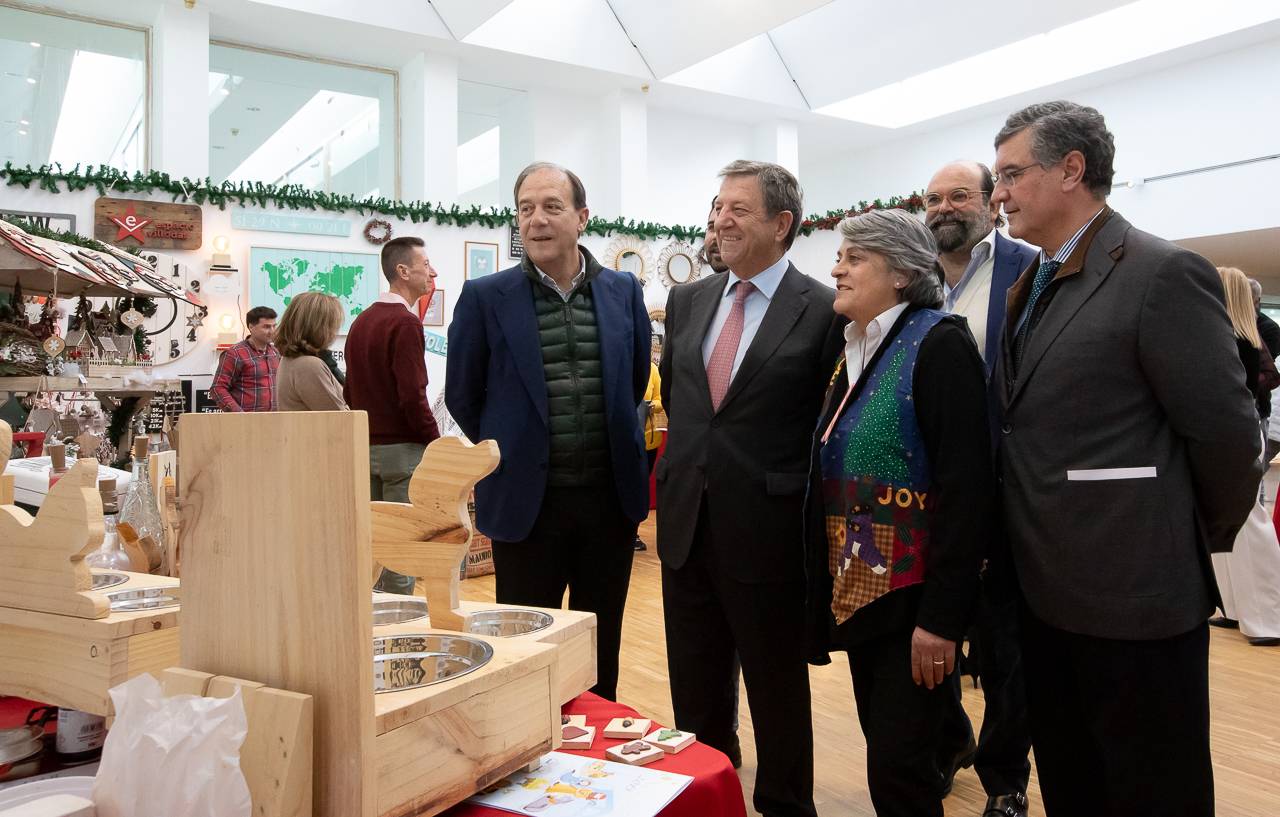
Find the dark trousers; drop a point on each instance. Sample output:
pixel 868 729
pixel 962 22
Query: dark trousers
pixel 903 724
pixel 583 541
pixel 709 616
pixel 1003 762
pixel 1120 728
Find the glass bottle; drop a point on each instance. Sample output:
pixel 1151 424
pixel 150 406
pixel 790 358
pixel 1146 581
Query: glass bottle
pixel 139 514
pixel 111 555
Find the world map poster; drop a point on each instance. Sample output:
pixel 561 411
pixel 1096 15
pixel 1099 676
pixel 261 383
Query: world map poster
pixel 276 275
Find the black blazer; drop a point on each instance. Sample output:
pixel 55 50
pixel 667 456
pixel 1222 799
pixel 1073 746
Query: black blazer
pixel 750 458
pixel 1129 445
pixel 949 389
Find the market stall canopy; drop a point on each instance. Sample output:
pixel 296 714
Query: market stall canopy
pixel 50 267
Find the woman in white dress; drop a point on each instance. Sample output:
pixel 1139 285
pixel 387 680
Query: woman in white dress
pixel 1249 576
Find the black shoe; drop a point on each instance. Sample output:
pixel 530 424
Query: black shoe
pixel 1271 641
pixel 639 544
pixel 1224 622
pixel 963 760
pixel 1007 805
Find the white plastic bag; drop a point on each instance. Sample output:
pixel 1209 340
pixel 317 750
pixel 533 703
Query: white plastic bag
pixel 171 756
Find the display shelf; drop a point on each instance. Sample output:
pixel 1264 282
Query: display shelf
pixel 107 385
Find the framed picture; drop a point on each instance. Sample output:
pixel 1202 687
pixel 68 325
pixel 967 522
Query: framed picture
pixel 432 314
pixel 482 259
pixel 277 274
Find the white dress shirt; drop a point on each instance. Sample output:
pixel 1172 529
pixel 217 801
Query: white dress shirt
pixel 577 279
pixel 971 297
pixel 394 298
pixel 859 347
pixel 753 309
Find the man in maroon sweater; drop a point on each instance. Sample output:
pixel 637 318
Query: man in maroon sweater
pixel 387 377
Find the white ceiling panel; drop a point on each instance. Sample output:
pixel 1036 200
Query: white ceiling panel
pixel 578 32
pixel 751 70
pixel 465 16
pixel 675 34
pixel 851 46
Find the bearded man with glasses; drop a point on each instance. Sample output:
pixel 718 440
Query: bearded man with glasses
pixel 980 264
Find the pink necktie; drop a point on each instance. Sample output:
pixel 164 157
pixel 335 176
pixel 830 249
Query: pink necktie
pixel 720 365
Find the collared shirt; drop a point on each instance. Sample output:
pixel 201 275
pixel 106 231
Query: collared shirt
pixel 577 279
pixel 859 347
pixel 394 298
pixel 753 309
pixel 246 378
pixel 1061 256
pixel 971 297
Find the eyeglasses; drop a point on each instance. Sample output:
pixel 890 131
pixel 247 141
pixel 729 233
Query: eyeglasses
pixel 958 197
pixel 1010 177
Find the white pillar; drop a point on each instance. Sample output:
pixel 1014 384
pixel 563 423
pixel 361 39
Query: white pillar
pixel 429 129
pixel 180 91
pixel 625 151
pixel 515 145
pixel 778 141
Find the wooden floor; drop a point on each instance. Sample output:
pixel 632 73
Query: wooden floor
pixel 1244 681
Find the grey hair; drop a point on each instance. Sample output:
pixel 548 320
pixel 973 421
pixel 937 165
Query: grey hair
pixel 579 190
pixel 1255 288
pixel 906 245
pixel 1060 127
pixel 780 188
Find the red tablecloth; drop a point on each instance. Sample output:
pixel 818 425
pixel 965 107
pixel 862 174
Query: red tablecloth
pixel 714 792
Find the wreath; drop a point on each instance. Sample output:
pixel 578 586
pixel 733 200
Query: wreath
pixel 377 231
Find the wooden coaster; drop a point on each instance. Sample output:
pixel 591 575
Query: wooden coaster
pixel 574 720
pixel 627 728
pixel 635 753
pixel 670 741
pixel 577 737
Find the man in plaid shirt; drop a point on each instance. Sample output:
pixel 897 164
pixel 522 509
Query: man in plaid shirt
pixel 246 376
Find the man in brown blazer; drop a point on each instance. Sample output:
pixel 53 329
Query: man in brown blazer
pixel 1128 451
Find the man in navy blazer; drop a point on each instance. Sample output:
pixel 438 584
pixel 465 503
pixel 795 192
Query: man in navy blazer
pixel 979 265
pixel 551 359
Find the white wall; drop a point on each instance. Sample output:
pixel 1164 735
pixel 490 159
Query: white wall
pixel 1215 110
pixel 686 152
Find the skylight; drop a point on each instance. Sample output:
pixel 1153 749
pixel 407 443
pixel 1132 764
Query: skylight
pixel 1106 40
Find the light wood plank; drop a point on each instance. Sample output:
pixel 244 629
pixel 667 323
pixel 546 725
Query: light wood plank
pixel 275 550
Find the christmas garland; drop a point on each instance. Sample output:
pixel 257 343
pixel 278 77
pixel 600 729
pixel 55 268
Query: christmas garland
pixel 296 197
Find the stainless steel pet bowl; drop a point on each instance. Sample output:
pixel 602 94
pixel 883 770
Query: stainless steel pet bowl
pixel 101 581
pixel 151 598
pixel 398 610
pixel 506 623
pixel 422 659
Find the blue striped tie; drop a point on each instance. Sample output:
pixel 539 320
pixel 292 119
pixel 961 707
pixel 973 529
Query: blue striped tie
pixel 1044 275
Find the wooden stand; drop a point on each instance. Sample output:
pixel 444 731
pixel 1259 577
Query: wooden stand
pixel 277 561
pixel 59 641
pixel 428 538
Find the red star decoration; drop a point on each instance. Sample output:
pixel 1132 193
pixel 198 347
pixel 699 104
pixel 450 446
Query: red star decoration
pixel 131 226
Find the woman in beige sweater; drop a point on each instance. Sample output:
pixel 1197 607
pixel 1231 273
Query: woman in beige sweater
pixel 304 383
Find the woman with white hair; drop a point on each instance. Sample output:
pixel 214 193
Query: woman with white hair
pixel 901 504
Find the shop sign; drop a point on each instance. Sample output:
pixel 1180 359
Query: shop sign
pixel 131 223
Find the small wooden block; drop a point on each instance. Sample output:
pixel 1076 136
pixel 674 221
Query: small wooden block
pixel 639 753
pixel 637 728
pixel 670 741
pixel 583 737
pixel 573 720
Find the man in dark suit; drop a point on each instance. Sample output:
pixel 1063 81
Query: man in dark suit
pixel 551 358
pixel 979 265
pixel 743 371
pixel 1128 452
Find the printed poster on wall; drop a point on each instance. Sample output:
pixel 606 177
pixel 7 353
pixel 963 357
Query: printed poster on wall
pixel 277 274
